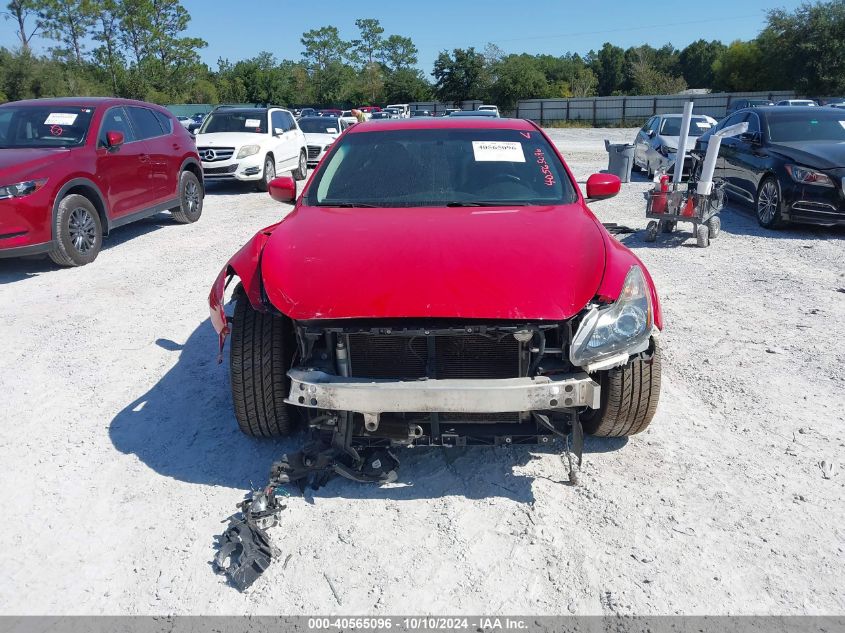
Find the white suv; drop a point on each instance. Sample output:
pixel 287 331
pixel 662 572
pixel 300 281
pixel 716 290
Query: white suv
pixel 251 145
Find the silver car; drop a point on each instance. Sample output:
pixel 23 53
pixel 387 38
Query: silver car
pixel 657 141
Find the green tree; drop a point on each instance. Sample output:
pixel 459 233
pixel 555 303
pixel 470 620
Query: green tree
pixel 367 49
pixel 106 31
pixel 805 49
pixel 609 68
pixel 740 68
pixel 324 54
pixel 20 11
pixel 583 82
pixel 460 76
pixel 649 72
pixel 398 52
pixel 68 22
pixel 406 84
pixel 518 77
pixel 696 62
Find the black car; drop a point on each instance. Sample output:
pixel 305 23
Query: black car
pixel 741 104
pixel 790 164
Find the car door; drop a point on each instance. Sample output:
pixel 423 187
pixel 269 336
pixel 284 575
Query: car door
pixel 124 171
pixel 641 143
pixel 283 145
pixel 727 161
pixel 163 179
pixel 747 159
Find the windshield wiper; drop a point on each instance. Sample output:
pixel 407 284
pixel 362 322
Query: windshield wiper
pixel 465 203
pixel 348 205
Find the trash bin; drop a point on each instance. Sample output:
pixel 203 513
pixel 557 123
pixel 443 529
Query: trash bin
pixel 620 159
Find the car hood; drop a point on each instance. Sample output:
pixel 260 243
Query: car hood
pixel 672 141
pixel 818 154
pixel 18 164
pixel 229 139
pixel 467 262
pixel 320 139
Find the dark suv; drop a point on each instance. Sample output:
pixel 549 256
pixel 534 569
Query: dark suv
pixel 71 170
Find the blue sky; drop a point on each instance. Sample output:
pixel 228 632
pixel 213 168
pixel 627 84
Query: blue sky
pixel 238 30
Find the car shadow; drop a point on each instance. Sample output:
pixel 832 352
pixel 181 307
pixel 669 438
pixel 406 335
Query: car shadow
pixel 230 188
pixel 19 268
pixel 184 427
pixel 735 219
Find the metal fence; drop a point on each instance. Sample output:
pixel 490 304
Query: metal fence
pixel 634 110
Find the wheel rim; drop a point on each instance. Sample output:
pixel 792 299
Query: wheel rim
pixel 302 165
pixel 192 197
pixel 767 202
pixel 269 170
pixel 82 229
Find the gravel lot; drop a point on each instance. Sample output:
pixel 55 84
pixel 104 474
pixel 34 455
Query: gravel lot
pixel 120 453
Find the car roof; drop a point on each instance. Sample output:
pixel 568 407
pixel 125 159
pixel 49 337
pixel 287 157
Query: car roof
pixel 434 123
pixel 82 102
pixel 241 110
pixel 680 116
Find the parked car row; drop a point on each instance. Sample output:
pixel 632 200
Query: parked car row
pixel 72 170
pixel 789 164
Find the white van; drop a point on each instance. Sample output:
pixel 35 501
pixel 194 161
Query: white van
pixel 403 108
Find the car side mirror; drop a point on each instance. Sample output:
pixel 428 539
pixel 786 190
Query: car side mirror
pixel 749 137
pixel 283 189
pixel 650 133
pixel 602 186
pixel 278 131
pixel 114 139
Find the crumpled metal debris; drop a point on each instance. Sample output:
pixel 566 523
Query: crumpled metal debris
pixel 245 550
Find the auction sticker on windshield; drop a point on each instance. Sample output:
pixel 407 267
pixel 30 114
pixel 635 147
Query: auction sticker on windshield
pixel 498 151
pixel 252 123
pixel 60 118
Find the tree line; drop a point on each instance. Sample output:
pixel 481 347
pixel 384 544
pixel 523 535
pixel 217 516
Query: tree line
pixel 139 49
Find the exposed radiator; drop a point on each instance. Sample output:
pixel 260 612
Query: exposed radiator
pixel 433 356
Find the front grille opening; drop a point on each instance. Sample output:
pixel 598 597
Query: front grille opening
pixel 434 356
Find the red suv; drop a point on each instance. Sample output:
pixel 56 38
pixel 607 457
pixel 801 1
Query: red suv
pixel 71 170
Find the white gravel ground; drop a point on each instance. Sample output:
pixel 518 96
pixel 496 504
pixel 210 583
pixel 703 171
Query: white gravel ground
pixel 119 453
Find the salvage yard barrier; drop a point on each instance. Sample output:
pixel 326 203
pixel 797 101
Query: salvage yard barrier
pixel 635 109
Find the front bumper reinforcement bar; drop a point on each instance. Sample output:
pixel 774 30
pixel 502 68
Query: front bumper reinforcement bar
pixel 319 390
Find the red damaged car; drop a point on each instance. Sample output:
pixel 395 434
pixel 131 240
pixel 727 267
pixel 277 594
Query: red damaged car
pixel 441 282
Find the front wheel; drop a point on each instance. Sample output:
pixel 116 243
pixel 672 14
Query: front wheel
pixel 629 397
pixel 269 173
pixel 768 204
pixel 261 353
pixel 190 199
pixel 301 171
pixel 78 232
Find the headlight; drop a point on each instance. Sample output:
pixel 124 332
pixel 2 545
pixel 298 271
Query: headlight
pixel 665 150
pixel 21 189
pixel 248 150
pixel 608 335
pixel 807 176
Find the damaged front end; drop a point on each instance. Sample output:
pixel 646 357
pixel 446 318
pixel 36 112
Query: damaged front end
pixel 424 382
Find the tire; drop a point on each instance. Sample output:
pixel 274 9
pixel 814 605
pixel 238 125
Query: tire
pixel 629 397
pixel 261 352
pixel 651 231
pixel 190 199
pixel 667 226
pixel 715 226
pixel 269 173
pixel 301 172
pixel 78 232
pixel 768 204
pixel 702 236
